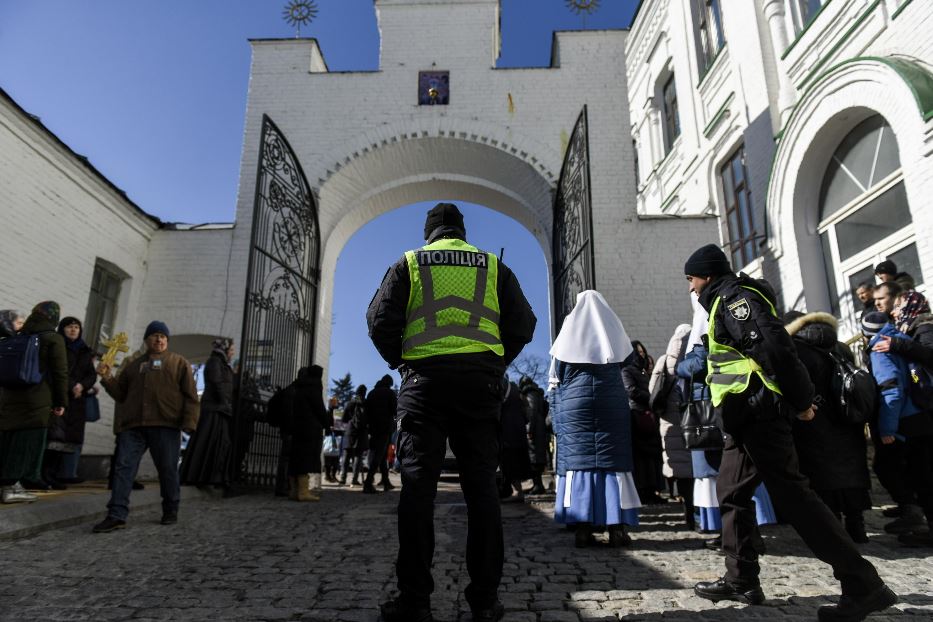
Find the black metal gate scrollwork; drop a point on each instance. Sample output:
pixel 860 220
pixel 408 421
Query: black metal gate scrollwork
pixel 572 242
pixel 281 301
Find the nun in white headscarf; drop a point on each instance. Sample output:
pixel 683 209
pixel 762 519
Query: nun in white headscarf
pixel 592 422
pixel 706 463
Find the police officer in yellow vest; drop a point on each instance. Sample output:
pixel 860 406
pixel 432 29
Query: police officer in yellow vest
pixel 758 382
pixel 450 317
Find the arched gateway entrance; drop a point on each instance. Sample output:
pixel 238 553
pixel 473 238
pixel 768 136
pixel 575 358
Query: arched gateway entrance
pixel 288 298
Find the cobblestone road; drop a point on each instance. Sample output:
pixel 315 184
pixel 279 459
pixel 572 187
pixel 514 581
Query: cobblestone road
pixel 263 558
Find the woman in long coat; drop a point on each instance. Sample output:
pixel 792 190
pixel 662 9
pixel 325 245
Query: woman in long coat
pixel 592 422
pixel 309 423
pixel 832 452
pixel 66 433
pixel 25 412
pixel 646 430
pixel 208 457
pixel 678 463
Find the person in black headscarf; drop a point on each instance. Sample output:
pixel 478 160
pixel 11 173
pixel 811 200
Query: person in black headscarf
pixel 309 424
pixel 647 450
pixel 208 456
pixel 66 433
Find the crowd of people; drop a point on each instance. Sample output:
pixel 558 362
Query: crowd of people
pixel 749 417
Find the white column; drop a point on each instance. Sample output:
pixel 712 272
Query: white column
pixel 656 134
pixel 775 14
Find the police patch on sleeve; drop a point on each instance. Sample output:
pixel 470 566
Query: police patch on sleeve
pixel 740 310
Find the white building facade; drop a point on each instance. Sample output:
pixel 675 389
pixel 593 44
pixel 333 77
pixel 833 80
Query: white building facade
pixel 797 133
pixel 803 125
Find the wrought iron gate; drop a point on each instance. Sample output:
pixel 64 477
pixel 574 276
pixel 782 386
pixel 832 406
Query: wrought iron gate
pixel 281 301
pixel 572 242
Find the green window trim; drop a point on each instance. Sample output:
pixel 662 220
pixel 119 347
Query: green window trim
pixel 806 27
pixel 842 40
pixel 670 198
pixel 712 65
pixel 718 116
pixel 900 10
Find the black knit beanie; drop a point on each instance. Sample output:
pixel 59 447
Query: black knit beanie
pixel 873 322
pixel 443 215
pixel 707 261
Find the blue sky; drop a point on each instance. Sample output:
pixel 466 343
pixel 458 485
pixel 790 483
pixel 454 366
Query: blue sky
pixel 154 94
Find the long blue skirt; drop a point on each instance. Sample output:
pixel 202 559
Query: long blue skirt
pixel 597 497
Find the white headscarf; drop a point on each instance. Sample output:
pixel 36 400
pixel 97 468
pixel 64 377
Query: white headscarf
pixel 700 322
pixel 592 333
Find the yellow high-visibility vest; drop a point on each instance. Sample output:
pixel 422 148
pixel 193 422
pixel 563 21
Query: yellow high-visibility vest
pixel 453 307
pixel 728 370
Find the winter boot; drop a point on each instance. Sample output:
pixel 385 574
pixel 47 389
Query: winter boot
pixel 911 521
pixel 538 485
pixel 304 487
pixel 855 527
pixel 617 536
pixel 314 484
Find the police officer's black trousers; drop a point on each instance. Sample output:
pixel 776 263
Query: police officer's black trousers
pixel 465 411
pixel 762 449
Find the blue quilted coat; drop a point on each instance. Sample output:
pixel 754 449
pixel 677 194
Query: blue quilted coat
pixel 591 418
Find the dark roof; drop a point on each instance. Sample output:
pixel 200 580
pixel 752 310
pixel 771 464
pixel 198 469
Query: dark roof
pixel 80 158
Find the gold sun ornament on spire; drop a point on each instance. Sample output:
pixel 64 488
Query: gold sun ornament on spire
pixel 300 13
pixel 583 7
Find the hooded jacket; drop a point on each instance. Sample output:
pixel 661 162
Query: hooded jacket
pixel 831 451
pixel 891 374
pixel 677 460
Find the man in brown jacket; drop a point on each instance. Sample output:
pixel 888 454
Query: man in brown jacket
pixel 158 399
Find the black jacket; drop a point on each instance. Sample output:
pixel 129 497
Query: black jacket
pixel 920 348
pixel 380 408
pixel 309 416
pixel 831 451
pixel 69 428
pixel 218 385
pixel 386 318
pixel 758 334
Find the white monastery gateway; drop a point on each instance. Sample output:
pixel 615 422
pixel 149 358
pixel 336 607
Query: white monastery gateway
pixel 797 133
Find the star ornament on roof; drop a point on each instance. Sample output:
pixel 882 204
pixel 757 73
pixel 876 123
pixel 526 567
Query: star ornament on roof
pixel 300 13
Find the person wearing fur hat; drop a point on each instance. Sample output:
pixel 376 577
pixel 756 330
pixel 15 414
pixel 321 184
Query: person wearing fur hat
pixel 759 383
pixel 25 411
pixel 450 317
pixel 831 450
pixel 158 399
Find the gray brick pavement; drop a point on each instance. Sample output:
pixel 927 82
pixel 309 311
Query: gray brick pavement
pixel 264 558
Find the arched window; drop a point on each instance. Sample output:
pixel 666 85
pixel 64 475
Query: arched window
pixel 864 214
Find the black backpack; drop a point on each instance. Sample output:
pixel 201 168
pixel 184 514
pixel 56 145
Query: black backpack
pixel 854 389
pixel 19 361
